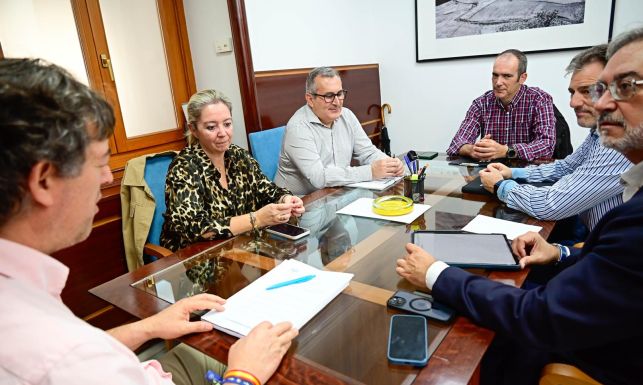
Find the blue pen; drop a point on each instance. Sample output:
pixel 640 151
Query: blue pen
pixel 408 163
pixel 305 278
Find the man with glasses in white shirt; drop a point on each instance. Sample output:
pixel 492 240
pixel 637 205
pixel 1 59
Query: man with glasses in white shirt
pixel 323 137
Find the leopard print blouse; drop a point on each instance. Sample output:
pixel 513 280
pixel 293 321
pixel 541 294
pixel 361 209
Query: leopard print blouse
pixel 197 203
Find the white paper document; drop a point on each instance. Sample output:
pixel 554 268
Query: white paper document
pixel 297 303
pixel 377 184
pixel 483 224
pixel 363 207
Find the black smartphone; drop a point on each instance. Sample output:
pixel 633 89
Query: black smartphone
pixel 287 230
pixel 421 304
pixel 427 154
pixel 408 340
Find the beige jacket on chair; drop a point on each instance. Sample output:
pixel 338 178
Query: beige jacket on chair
pixel 137 207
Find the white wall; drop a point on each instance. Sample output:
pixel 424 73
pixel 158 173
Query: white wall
pixel 208 21
pixel 44 29
pixel 429 100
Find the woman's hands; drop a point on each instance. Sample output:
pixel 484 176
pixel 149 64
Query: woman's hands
pixel 297 204
pixel 275 213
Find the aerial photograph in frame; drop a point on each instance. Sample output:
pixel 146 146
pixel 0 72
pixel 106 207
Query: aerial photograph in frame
pixel 455 18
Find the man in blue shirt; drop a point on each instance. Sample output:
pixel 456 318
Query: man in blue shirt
pixel 587 181
pixel 590 314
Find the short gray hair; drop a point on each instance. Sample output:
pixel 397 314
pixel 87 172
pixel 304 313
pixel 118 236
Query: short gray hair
pixel 326 72
pixel 522 59
pixel 624 39
pixel 198 102
pixel 597 53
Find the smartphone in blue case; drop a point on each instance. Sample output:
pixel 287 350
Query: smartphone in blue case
pixel 408 340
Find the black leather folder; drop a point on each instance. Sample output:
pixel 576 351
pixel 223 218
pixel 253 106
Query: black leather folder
pixel 475 186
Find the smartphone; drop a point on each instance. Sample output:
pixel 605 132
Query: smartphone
pixel 421 304
pixel 408 340
pixel 427 154
pixel 287 230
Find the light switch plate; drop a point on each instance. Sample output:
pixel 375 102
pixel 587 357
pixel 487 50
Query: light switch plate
pixel 223 45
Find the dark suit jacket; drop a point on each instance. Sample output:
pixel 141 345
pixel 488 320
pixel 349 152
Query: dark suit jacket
pixel 590 313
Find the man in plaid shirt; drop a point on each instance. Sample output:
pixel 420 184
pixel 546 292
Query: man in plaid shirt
pixel 513 120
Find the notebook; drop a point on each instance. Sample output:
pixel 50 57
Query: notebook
pixel 297 303
pixel 377 184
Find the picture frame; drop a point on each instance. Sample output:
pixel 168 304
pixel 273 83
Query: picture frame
pixel 445 29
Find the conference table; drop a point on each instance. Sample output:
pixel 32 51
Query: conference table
pixel 345 343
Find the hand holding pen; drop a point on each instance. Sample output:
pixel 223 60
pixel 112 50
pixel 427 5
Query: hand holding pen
pixel 387 168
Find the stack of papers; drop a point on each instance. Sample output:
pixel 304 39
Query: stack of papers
pixel 483 224
pixel 378 184
pixel 297 303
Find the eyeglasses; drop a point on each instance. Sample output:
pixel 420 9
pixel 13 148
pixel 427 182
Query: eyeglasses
pixel 620 89
pixel 329 97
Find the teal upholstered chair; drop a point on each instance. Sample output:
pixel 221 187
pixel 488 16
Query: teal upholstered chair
pixel 265 147
pixel 155 172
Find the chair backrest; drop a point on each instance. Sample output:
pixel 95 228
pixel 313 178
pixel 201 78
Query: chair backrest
pixel 155 171
pixel 563 140
pixel 265 147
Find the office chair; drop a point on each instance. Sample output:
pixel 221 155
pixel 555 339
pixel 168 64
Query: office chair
pixel 155 172
pixel 265 147
pixel 563 140
pixel 563 374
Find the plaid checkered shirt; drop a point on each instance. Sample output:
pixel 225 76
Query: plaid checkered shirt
pixel 527 123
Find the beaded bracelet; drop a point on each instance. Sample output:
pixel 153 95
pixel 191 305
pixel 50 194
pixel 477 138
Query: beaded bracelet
pixel 213 378
pixel 253 221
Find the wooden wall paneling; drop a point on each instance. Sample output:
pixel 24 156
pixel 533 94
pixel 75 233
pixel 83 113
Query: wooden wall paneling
pixel 280 93
pixel 279 96
pixel 372 129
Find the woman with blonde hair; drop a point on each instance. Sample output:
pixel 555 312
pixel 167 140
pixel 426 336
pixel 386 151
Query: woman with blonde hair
pixel 215 189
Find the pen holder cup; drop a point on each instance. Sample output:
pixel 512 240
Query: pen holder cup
pixel 414 189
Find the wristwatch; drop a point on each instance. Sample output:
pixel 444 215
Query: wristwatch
pixel 511 152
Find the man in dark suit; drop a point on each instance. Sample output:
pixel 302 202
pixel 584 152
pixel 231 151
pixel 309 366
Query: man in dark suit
pixel 589 314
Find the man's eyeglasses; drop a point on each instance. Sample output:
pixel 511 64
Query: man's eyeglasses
pixel 329 97
pixel 620 89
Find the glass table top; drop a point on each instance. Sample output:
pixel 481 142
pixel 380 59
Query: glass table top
pixel 366 247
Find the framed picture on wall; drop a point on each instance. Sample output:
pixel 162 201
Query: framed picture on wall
pixel 452 29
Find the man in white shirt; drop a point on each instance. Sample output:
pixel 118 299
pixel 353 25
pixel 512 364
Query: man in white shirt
pixel 323 137
pixel 54 157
